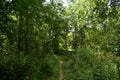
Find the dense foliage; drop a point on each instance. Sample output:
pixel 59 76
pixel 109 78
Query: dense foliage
pixel 41 40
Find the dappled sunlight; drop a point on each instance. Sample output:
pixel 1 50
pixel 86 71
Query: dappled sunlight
pixel 60 40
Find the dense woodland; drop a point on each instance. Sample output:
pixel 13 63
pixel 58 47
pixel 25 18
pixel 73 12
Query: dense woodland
pixel 42 40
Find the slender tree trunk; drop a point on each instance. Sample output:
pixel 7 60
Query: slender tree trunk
pixel 118 71
pixel 60 69
pixel 20 34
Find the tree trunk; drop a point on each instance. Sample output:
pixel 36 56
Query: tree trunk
pixel 60 69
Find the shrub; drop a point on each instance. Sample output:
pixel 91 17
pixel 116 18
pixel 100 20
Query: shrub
pixel 15 68
pixel 86 65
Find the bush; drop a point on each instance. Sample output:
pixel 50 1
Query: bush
pixel 21 67
pixel 15 68
pixel 86 65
